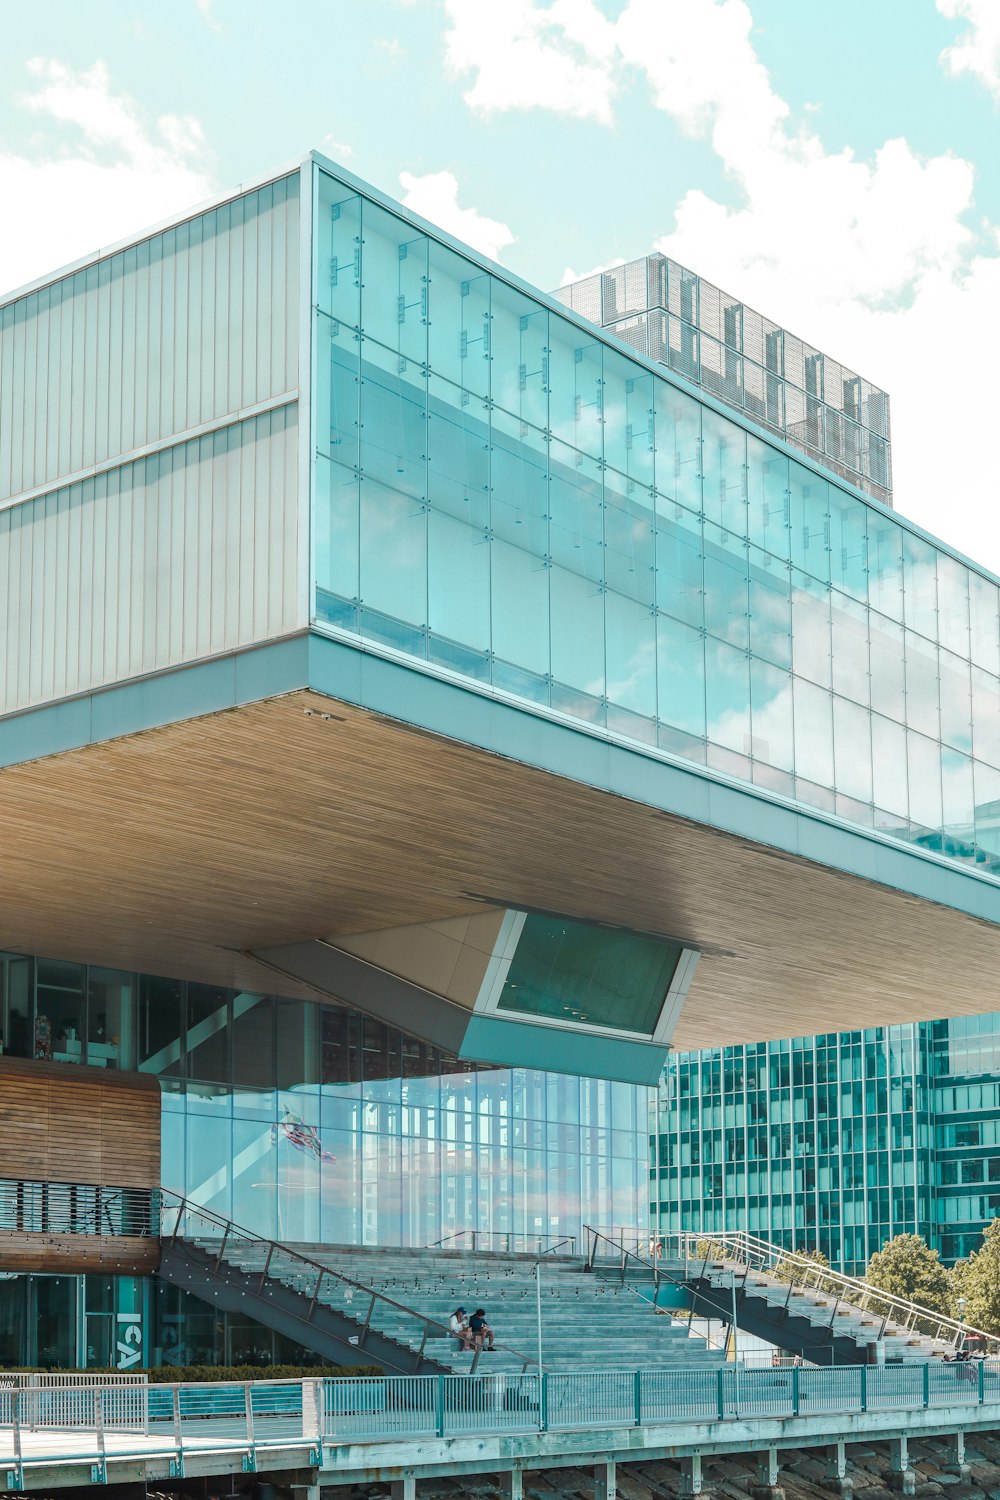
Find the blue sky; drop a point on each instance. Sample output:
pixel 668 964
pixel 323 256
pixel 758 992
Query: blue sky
pixel 834 164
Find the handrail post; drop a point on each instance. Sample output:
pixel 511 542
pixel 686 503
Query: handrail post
pixel 637 1396
pixel 720 1394
pixel 267 1265
pixel 543 1402
pixel 982 1381
pixel 927 1385
pixel 222 1246
pixel 16 1408
pixel 795 1390
pixel 864 1387
pixel 439 1407
pixel 248 1408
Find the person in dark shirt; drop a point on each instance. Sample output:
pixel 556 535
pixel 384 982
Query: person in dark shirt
pixel 482 1333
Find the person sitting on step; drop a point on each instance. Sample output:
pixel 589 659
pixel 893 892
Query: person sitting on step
pixel 482 1333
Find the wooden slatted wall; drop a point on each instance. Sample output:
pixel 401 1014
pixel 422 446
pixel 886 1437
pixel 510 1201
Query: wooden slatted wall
pixel 60 1123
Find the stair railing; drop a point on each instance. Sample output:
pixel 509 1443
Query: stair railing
pixel 804 1274
pixel 507 1241
pixel 181 1210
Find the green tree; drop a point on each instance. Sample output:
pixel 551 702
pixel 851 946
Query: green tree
pixel 978 1281
pixel 906 1267
pixel 793 1270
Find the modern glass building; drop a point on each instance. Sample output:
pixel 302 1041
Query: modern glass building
pixel 310 1124
pixel 419 709
pixel 837 1142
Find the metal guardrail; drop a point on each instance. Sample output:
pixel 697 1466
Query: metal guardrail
pixel 510 1242
pixel 76 1208
pixel 799 1272
pixel 180 1215
pixel 251 1415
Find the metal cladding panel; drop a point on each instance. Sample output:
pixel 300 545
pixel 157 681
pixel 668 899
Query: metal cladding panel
pixel 190 325
pixel 181 555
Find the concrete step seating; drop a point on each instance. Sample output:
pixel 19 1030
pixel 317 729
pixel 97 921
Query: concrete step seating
pixel 587 1321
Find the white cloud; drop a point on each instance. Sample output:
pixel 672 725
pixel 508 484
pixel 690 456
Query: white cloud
pixel 873 259
pixel 523 56
pixel 435 197
pixel 97 170
pixel 977 50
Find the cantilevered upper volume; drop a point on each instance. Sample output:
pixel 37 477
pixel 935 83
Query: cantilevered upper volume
pixel 372 620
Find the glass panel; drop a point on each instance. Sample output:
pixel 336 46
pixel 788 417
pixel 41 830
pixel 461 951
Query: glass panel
pixel 849 622
pixel 680 564
pixel 576 591
pixel 393 567
pixel 520 577
pixel 984 610
pixel 568 971
pixel 848 544
pixel 60 1012
pixel 956 700
pixel 771 707
pixel 809 521
pixel 885 552
pixel 458 562
pixel 680 669
pixel 958 803
pixel 923 759
pixel 677 434
pixel 852 750
pixel 724 467
pixel 160 1026
pixel 338 235
pixel 811 629
pixel 110 1039
pixel 986 716
pixel 889 766
pixel 920 586
pixel 813 734
pixel 575 364
pixel 458 334
pixel 519 337
pixel 336 540
pixel 394 436
pixel 630 618
pixel 886 656
pixel 953 604
pixel 727 600
pixel 922 710
pixel 769 513
pixel 770 610
pixel 727 691
pixel 55 1321
pixel 393 283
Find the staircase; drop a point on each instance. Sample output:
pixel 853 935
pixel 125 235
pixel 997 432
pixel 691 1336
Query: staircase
pixel 785 1298
pixel 588 1322
pixel 390 1307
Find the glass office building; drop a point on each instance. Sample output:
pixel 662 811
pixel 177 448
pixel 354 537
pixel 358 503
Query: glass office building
pixel 836 1142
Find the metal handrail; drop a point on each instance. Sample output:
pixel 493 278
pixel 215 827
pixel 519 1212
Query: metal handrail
pixel 802 1274
pixel 180 1206
pixel 29 1207
pixel 506 1237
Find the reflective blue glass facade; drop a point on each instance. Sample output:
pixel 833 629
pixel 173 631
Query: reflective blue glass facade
pixel 836 1141
pixel 503 493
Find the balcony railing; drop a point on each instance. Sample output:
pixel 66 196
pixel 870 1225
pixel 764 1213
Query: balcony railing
pixel 77 1208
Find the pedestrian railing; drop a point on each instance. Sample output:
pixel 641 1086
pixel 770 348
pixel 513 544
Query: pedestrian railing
pixel 76 1208
pixel 508 1242
pixel 159 1419
pixel 692 1256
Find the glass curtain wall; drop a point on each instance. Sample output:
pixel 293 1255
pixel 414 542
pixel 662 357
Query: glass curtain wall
pixel 311 1122
pixel 502 495
pixel 816 1142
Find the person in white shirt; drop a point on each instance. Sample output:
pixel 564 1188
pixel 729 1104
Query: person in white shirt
pixel 458 1324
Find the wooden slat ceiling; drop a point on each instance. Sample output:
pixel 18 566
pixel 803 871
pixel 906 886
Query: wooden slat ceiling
pixel 177 850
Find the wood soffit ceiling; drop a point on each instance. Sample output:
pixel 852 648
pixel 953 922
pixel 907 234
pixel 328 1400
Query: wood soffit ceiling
pixel 177 850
